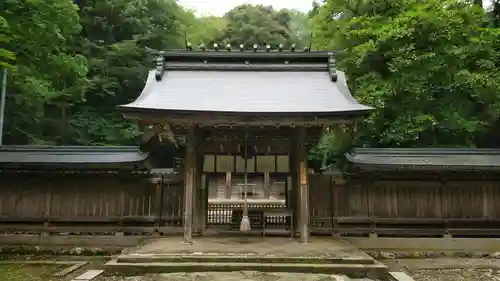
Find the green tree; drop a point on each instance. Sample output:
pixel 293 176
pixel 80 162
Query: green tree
pixel 203 30
pixel 67 80
pixel 48 76
pixel 6 56
pixel 494 14
pixel 299 25
pixel 429 68
pixel 116 34
pixel 258 24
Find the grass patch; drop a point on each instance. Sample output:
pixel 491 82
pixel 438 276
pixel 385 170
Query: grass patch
pixel 29 272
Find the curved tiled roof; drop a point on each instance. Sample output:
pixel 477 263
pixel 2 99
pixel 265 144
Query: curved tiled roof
pixel 247 83
pixel 247 92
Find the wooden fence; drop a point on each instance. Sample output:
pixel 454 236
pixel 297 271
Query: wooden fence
pixel 112 205
pixel 89 205
pixel 405 208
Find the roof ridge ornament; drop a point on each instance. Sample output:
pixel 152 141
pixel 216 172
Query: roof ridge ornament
pixel 160 65
pixel 228 47
pixel 332 70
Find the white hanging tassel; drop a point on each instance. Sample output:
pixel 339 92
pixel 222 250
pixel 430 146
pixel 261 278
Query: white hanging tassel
pixel 245 221
pixel 245 224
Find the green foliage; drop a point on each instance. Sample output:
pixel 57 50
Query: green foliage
pixel 75 64
pixel 430 69
pixel 204 30
pixel 6 56
pixel 493 14
pixel 115 36
pixel 47 73
pixel 258 24
pixel 331 148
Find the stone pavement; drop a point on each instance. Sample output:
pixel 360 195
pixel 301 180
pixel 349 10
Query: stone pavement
pixel 325 255
pixel 233 276
pixel 327 247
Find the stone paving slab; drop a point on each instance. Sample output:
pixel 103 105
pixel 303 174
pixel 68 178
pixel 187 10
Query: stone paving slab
pixel 248 246
pixel 89 275
pixel 264 254
pixel 235 276
pixel 354 270
pixel 159 258
pixel 401 276
pixel 69 269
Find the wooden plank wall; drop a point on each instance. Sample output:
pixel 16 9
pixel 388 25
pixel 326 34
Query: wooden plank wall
pixel 133 205
pixel 393 207
pixel 107 201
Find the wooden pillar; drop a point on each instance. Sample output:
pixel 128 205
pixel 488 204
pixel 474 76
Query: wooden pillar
pixel 293 168
pixel 158 203
pixel 198 195
pixel 48 207
pixel 189 183
pixel 304 184
pixel 228 185
pixel 203 203
pixel 267 185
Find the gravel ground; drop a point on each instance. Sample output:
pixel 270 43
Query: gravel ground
pixel 448 269
pixel 456 275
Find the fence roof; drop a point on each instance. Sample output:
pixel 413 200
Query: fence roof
pixel 425 158
pixel 78 157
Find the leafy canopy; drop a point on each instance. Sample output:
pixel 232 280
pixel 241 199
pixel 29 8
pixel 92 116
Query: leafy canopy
pixel 77 62
pixel 430 69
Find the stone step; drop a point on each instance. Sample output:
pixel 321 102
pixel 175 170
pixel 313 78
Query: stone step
pixel 242 275
pixel 164 258
pixel 374 271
